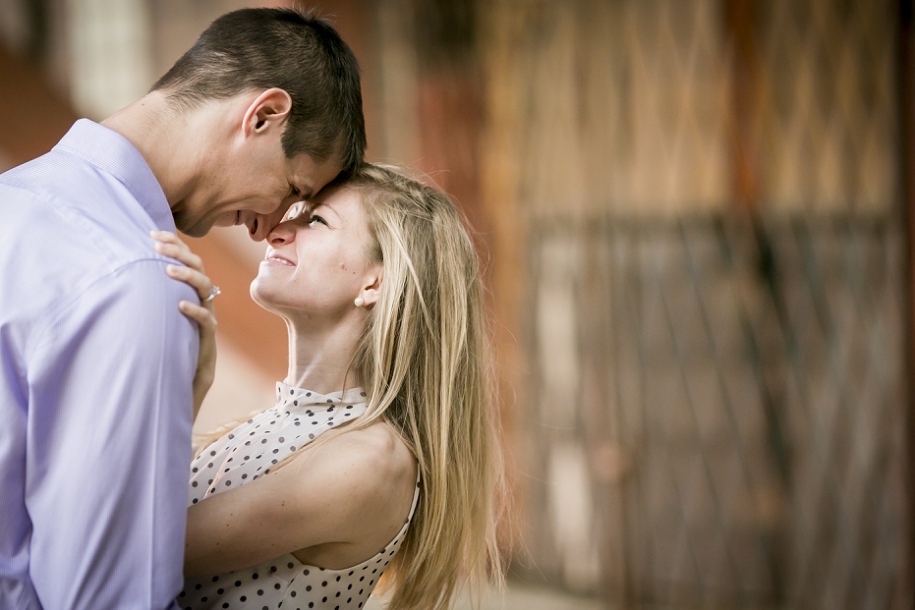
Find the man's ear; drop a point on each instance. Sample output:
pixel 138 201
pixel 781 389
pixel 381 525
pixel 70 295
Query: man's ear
pixel 371 290
pixel 269 110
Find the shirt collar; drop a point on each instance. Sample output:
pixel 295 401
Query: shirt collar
pixel 287 395
pixel 114 154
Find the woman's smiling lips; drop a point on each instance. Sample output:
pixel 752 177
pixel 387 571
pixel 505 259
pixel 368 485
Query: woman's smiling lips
pixel 275 259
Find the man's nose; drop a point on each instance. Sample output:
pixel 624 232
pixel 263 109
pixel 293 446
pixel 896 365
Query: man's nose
pixel 260 225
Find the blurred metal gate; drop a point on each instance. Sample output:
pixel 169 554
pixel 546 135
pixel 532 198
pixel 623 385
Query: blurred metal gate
pixel 725 396
pixel 716 328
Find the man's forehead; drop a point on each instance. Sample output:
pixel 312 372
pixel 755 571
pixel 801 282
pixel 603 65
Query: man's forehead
pixel 309 176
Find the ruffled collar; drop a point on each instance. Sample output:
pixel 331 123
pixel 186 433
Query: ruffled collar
pixel 292 398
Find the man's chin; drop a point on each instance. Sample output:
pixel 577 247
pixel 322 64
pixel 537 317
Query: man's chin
pixel 193 229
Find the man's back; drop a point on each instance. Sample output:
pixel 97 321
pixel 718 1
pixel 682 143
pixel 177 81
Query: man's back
pixel 95 382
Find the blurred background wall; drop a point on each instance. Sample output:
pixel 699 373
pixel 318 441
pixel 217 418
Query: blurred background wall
pixel 695 221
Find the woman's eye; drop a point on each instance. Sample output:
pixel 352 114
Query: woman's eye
pixel 314 218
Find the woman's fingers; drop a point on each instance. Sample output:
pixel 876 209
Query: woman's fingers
pixel 168 244
pixel 199 314
pixel 197 280
pixel 192 274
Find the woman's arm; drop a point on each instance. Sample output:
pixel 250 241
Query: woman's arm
pixel 338 503
pixel 204 314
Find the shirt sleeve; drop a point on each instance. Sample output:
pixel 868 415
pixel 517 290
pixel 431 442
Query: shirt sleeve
pixel 109 425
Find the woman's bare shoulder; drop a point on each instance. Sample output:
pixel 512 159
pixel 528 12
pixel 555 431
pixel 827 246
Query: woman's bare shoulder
pixel 379 441
pixel 377 457
pixel 372 493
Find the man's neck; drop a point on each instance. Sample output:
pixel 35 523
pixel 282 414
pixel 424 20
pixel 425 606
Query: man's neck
pixel 163 136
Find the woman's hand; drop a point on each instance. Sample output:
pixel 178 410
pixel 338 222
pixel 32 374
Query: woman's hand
pixel 204 314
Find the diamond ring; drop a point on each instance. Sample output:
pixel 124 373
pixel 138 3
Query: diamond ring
pixel 214 292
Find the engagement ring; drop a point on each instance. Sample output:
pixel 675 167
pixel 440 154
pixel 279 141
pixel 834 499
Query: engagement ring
pixel 214 291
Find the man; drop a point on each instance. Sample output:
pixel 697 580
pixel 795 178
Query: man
pixel 96 361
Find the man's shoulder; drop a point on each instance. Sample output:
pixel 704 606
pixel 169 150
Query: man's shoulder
pixel 65 229
pixel 52 172
pixel 73 204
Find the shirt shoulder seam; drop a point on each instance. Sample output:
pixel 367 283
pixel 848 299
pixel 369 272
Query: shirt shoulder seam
pixel 54 316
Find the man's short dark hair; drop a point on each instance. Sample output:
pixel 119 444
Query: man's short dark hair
pixel 261 48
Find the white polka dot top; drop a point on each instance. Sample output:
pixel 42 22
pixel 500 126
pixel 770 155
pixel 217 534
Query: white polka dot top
pixel 249 451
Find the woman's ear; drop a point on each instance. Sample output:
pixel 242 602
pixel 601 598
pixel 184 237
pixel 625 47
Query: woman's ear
pixel 371 290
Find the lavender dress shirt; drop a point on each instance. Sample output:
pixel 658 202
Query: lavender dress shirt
pixel 96 367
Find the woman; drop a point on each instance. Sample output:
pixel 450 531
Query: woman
pixel 382 436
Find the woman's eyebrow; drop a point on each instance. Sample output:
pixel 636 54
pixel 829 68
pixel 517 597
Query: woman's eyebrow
pixel 326 207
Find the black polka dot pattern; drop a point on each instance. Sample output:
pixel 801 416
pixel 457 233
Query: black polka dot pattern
pixel 298 417
pixel 277 432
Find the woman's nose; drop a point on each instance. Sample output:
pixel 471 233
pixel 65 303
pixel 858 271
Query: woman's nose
pixel 282 233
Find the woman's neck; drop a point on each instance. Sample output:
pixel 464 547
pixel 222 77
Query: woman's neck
pixel 321 361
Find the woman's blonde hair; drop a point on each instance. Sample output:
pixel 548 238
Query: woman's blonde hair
pixel 423 360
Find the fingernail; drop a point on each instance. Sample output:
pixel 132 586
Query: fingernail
pixel 171 268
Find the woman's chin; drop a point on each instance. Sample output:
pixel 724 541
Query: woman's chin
pixel 262 295
pixel 274 299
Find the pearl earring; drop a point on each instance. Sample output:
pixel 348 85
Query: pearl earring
pixel 359 302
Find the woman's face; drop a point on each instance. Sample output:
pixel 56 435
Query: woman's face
pixel 316 264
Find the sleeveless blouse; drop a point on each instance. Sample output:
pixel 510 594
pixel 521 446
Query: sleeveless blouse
pixel 248 452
